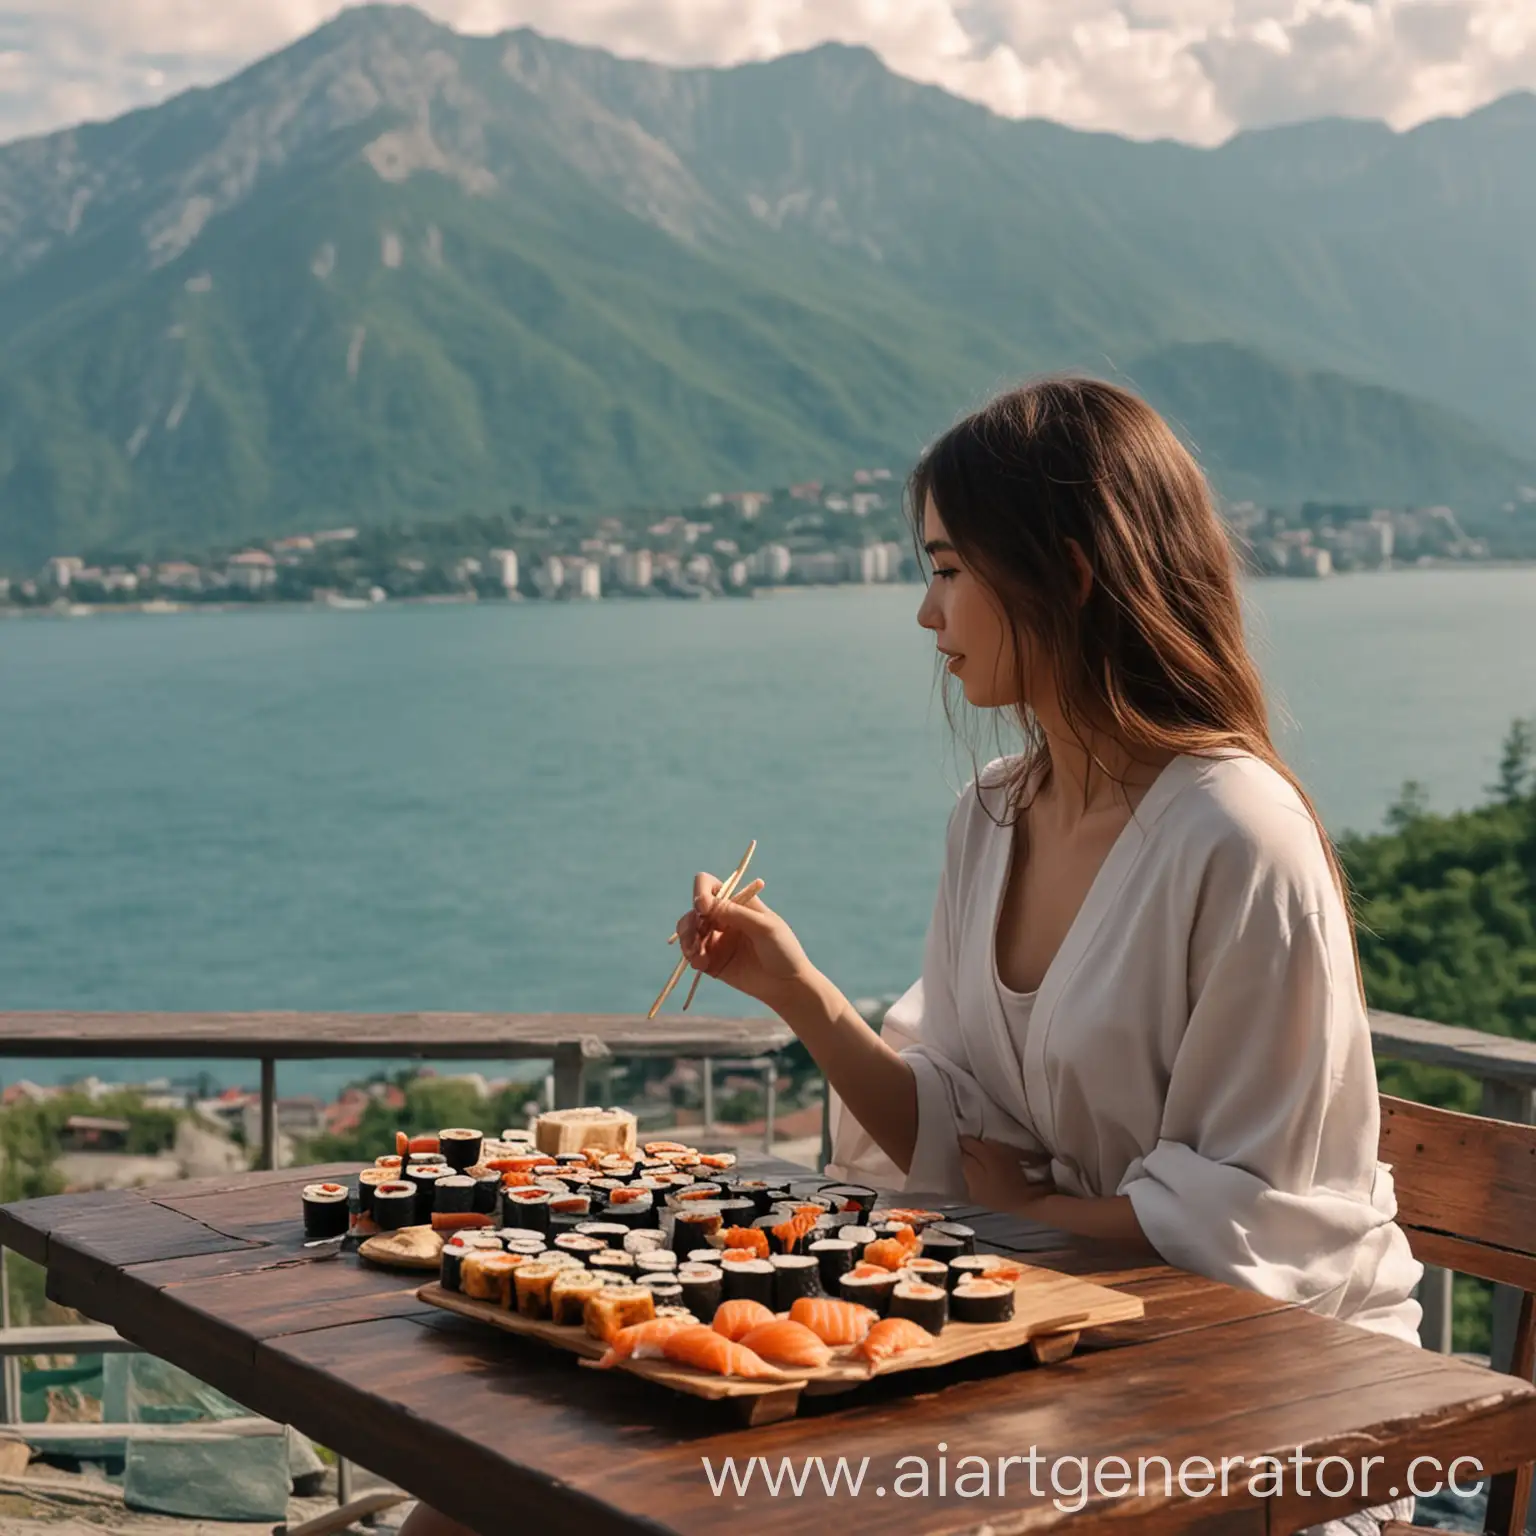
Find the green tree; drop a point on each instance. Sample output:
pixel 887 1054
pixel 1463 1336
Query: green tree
pixel 1515 763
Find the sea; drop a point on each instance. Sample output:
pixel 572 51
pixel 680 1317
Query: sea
pixel 501 807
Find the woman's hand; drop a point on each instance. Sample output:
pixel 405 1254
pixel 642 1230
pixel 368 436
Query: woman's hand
pixel 995 1177
pixel 744 944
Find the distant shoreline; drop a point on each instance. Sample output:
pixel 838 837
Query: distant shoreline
pixel 166 607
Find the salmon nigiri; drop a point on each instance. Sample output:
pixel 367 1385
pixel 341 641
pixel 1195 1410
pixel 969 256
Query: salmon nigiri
pixel 887 1252
pixel 833 1322
pixel 892 1336
pixel 784 1342
pixel 706 1350
pixel 736 1319
pixel 642 1341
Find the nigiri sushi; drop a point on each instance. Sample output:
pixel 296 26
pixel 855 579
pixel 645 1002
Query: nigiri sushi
pixel 641 1341
pixel 706 1350
pixel 892 1336
pixel 785 1342
pixel 833 1321
pixel 887 1253
pixel 752 1238
pixel 736 1319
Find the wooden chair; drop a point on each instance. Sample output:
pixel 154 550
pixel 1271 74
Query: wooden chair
pixel 1466 1198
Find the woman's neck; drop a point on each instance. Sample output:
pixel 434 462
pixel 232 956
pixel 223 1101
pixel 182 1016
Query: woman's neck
pixel 1096 773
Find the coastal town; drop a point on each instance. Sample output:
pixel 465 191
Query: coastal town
pixel 733 544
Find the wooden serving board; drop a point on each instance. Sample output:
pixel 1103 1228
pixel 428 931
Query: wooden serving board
pixel 1049 1312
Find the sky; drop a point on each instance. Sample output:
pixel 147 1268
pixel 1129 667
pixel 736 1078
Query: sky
pixel 1196 70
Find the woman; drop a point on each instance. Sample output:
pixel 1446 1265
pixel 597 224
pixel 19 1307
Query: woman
pixel 1140 1015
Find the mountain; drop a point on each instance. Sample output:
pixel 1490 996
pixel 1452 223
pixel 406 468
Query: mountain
pixel 395 271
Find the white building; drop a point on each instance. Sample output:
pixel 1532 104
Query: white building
pixel 61 568
pixel 551 576
pixel 504 567
pixel 865 502
pixel 635 569
pixel 583 577
pixel 821 565
pixel 252 569
pixel 736 576
pixel 771 563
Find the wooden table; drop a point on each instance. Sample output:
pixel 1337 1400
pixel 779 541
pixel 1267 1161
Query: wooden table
pixel 509 1435
pixel 570 1040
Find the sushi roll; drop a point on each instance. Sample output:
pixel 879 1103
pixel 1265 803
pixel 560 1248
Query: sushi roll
pixel 579 1243
pixel 872 1291
pixel 721 1162
pixel 454 1193
pixel 510 1235
pixel 612 1233
pixel 615 1307
pixel 571 1159
pixel 658 1261
pixel 860 1235
pixel 794 1275
pixel 933 1271
pixel 394 1205
pixel 526 1207
pixel 941 1246
pixel 959 1229
pixel 367 1181
pixel 528 1247
pixel 924 1304
pixel 808 1189
pixel 486 1276
pixel 755 1190
pixel 460 1147
pixel 613 1264
pixel 835 1256
pixel 534 1284
pixel 552 1182
pixel 736 1210
pixel 693 1228
pixel 630 1208
pixel 423 1178
pixel 487 1188
pixel 981 1301
pixel 326 1212
pixel 523 1137
pixel 702 1285
pixel 751 1280
pixel 571 1205
pixel 676 1199
pixel 390 1164
pixel 706 1255
pixel 453 1256
pixel 569 1294
pixel 850 1197
pixel 970 1266
pixel 665 1290
pixel 644 1240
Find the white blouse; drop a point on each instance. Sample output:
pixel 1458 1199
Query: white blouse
pixel 1198 1044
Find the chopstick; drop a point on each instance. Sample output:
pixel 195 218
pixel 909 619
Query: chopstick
pixel 746 893
pixel 725 891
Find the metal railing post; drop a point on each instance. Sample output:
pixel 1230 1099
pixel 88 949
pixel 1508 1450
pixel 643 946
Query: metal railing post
pixel 268 1112
pixel 343 1480
pixel 826 1127
pixel 709 1094
pixel 1436 1298
pixel 1506 1101
pixel 10 1378
pixel 770 1088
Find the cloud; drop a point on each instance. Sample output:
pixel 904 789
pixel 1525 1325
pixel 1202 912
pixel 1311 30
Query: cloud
pixel 1190 69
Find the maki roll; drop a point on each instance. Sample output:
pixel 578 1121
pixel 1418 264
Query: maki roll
pixel 579 1243
pixel 807 1189
pixel 869 1290
pixel 510 1235
pixel 751 1280
pixel 394 1205
pixel 612 1233
pixel 570 1205
pixel 644 1240
pixel 423 1178
pixel 325 1210
pixel 863 1236
pixel 571 1159
pixel 736 1211
pixel 534 1284
pixel 526 1207
pixel 710 1255
pixel 702 1285
pixel 486 1276
pixel 613 1264
pixel 693 1228
pixel 850 1197
pixel 924 1304
pixel 981 1301
pixel 967 1235
pixel 552 1182
pixel 941 1246
pixel 755 1190
pixel 367 1181
pixel 615 1307
pixel 460 1148
pixel 934 1271
pixel 569 1295
pixel 677 1199
pixel 487 1188
pixel 390 1164
pixel 794 1275
pixel 454 1193
pixel 719 1161
pixel 664 1289
pixel 970 1266
pixel 658 1261
pixel 453 1256
pixel 630 1208
pixel 835 1256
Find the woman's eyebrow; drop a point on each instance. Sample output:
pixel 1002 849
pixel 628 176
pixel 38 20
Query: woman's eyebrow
pixel 938 546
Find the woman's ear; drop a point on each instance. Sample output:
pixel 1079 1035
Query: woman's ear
pixel 1083 569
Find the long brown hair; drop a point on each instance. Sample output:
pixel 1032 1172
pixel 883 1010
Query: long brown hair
pixel 1156 655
